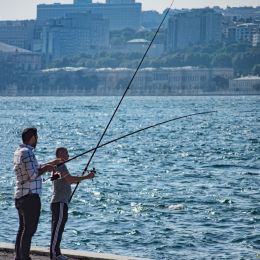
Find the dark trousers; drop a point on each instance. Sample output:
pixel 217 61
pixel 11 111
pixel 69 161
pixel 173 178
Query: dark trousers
pixel 29 207
pixel 59 218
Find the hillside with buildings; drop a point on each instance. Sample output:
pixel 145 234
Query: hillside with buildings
pixel 93 48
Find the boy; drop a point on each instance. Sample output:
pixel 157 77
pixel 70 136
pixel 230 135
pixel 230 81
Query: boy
pixel 60 201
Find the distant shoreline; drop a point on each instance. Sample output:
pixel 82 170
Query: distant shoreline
pixel 184 95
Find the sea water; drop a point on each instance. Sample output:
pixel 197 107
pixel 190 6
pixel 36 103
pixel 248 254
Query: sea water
pixel 189 189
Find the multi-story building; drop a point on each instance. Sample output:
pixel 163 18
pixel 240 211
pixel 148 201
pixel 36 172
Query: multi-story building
pixel 197 26
pixel 241 32
pixel 120 13
pixel 18 33
pixel 75 34
pixel 245 32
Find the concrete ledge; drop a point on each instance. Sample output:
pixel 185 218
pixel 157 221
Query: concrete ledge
pixel 75 254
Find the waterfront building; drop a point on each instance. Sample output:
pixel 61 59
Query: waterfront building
pixel 18 33
pixel 245 85
pixel 256 39
pixel 75 34
pixel 121 14
pixel 148 81
pixel 20 58
pixel 196 26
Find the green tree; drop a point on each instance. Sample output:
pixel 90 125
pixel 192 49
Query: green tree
pixel 257 87
pixel 222 60
pixel 256 70
pixel 220 82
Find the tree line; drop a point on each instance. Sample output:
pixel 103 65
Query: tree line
pixel 243 58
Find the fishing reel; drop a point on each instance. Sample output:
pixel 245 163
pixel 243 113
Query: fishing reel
pixel 55 176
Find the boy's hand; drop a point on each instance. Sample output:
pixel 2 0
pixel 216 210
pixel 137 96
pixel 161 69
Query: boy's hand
pixel 92 174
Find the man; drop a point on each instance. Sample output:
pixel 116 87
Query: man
pixel 27 191
pixel 60 201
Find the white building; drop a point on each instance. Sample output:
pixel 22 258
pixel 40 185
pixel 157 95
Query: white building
pixel 245 32
pixel 148 81
pixel 256 39
pixel 245 85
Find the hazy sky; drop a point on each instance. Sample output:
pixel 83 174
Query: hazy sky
pixel 26 9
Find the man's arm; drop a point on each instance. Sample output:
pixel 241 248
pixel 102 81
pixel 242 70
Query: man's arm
pixel 50 166
pixel 55 162
pixel 45 168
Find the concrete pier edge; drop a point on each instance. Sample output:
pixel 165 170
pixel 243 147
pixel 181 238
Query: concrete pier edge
pixel 44 251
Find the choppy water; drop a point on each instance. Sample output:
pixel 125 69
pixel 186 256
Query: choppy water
pixel 186 190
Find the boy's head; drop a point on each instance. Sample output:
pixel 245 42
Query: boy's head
pixel 62 153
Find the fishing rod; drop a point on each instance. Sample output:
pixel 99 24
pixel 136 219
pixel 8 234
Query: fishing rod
pixel 54 177
pixel 124 94
pixel 135 132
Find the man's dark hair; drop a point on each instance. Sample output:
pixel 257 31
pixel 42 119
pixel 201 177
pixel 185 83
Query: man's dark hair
pixel 28 133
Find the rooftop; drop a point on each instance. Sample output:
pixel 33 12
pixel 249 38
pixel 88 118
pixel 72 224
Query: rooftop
pixel 11 49
pixel 138 41
pixel 248 78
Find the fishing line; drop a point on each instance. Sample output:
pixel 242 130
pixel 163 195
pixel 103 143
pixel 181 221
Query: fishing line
pixel 130 83
pixel 135 132
pixel 56 176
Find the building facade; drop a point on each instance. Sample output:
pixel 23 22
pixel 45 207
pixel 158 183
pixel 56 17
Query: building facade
pixel 20 58
pixel 121 14
pixel 197 26
pixel 75 34
pixel 256 39
pixel 107 81
pixel 245 32
pixel 245 85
